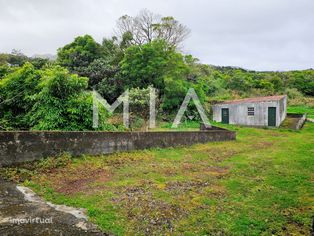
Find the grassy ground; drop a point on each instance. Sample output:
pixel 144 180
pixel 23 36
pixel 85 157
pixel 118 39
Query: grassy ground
pixel 302 109
pixel 305 105
pixel 260 184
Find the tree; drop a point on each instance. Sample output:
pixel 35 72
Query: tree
pixel 4 59
pixel 276 81
pixel 39 63
pixel 16 97
pixel 85 57
pixel 113 51
pixel 303 81
pixel 79 54
pixel 175 91
pixel 99 70
pixel 5 70
pixel 63 103
pixel 110 88
pixel 140 106
pixel 15 58
pixel 147 26
pixel 150 63
pixel 240 81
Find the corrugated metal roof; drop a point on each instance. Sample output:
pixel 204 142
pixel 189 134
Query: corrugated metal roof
pixel 257 99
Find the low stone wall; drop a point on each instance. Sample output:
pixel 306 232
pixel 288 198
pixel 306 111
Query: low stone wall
pixel 18 147
pixel 301 122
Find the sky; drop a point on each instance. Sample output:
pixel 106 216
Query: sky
pixel 253 34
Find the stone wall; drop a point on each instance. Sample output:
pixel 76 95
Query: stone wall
pixel 301 122
pixel 18 147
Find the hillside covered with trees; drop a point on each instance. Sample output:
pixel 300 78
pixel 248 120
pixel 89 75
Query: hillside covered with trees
pixel 41 94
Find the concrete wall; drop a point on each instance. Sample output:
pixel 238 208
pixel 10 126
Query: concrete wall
pixel 18 147
pixel 238 113
pixel 282 109
pixel 301 122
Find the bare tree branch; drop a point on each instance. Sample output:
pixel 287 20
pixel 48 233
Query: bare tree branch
pixel 147 26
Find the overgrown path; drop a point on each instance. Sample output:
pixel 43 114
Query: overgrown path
pixel 13 206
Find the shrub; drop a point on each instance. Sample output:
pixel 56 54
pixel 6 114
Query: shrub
pixel 64 104
pixel 295 97
pixel 16 97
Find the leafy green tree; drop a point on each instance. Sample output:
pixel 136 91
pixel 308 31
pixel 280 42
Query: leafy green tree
pixel 62 103
pixel 111 88
pixel 98 70
pixel 5 70
pixel 303 81
pixel 17 90
pixel 175 91
pixel 140 105
pixel 15 58
pixel 50 99
pixel 240 81
pixel 40 63
pixel 276 81
pixel 149 64
pixel 4 59
pixel 113 51
pixel 86 57
pixel 79 54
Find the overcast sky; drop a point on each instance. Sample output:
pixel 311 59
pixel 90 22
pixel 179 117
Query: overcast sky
pixel 254 34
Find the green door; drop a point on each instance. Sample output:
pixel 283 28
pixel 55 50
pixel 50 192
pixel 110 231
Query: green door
pixel 271 116
pixel 225 115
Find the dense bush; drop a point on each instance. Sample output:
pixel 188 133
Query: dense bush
pixel 50 99
pixel 62 102
pixel 17 91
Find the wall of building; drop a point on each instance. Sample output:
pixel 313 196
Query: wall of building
pixel 283 109
pixel 238 113
pixel 18 147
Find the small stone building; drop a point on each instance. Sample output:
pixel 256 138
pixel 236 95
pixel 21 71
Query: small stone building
pixel 259 111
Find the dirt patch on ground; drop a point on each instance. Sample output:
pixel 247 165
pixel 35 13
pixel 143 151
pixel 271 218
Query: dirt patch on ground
pixel 216 191
pixel 74 180
pixel 118 160
pixel 156 216
pixel 294 225
pixel 276 134
pixel 189 167
pixel 220 155
pixel 216 171
pixel 169 171
pixel 182 187
pixel 262 145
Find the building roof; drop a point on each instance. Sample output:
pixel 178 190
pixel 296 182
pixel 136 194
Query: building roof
pixel 257 99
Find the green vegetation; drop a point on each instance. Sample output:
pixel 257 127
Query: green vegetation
pixel 144 53
pixel 47 99
pixel 302 110
pixel 260 184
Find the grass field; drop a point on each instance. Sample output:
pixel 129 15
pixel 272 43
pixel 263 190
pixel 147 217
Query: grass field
pixel 260 184
pixel 302 109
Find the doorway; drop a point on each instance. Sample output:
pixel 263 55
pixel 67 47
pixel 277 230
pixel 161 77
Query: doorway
pixel 225 115
pixel 272 116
